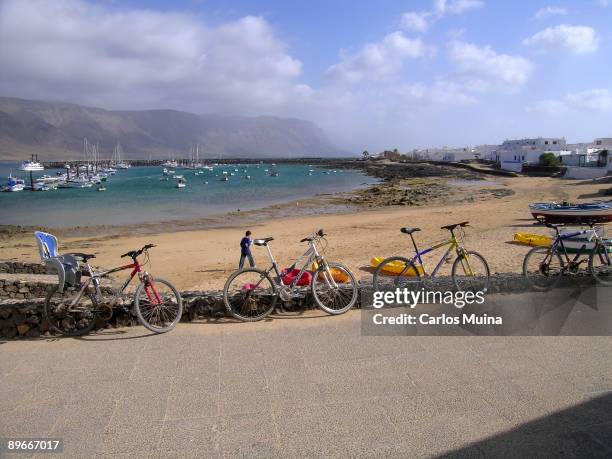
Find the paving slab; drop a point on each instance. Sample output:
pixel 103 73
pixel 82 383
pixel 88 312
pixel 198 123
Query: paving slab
pixel 308 386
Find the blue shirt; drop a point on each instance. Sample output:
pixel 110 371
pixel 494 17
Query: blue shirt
pixel 245 245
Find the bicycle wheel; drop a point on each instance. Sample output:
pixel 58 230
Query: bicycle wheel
pixel 334 288
pixel 471 273
pixel 67 318
pixel 396 272
pixel 158 305
pixel 249 294
pixel 542 268
pixel 600 265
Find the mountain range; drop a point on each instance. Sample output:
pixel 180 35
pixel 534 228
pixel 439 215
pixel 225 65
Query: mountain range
pixel 55 131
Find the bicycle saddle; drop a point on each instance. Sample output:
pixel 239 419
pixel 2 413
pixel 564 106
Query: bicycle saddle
pixel 263 241
pixel 452 227
pixel 410 230
pixel 82 256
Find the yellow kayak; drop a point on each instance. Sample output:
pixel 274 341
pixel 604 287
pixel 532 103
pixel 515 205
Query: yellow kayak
pixel 396 267
pixel 535 240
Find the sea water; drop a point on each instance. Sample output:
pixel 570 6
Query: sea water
pixel 137 195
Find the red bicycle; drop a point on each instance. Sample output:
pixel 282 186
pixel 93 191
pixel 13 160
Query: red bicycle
pixel 74 310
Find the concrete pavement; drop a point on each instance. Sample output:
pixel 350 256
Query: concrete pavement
pixel 304 386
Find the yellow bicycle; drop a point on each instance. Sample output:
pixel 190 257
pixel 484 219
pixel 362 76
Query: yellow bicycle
pixel 470 271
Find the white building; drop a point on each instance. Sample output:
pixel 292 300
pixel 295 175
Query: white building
pixel 540 143
pixel 512 154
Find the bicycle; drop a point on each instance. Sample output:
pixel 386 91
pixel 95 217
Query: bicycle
pixel 470 271
pixel 251 294
pixel 75 310
pixel 544 266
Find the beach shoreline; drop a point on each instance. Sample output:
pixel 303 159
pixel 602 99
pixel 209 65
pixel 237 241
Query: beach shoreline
pixel 390 190
pixel 360 225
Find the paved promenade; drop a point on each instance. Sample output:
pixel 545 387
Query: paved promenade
pixel 308 386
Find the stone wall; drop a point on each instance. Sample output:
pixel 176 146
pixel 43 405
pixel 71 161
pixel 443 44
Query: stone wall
pixel 20 267
pixel 25 286
pixel 22 317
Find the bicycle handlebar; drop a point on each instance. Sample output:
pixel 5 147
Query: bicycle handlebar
pixel 135 253
pixel 318 234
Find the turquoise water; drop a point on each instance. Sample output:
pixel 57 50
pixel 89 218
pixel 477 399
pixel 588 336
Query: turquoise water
pixel 137 195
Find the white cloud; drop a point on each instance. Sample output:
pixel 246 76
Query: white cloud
pixel 484 69
pixel 378 60
pixel 548 107
pixel 594 99
pixel 439 94
pixel 575 39
pixel 456 6
pixel 85 53
pixel 419 22
pixel 550 11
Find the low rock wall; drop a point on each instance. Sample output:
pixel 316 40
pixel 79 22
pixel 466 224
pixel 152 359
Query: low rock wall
pixel 22 316
pixel 20 267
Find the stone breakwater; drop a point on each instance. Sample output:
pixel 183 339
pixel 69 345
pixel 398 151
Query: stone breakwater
pixel 22 299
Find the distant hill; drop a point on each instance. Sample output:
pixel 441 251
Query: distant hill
pixel 56 130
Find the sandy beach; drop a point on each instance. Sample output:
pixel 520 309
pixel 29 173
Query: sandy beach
pixel 196 258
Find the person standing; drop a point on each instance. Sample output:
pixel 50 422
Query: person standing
pixel 245 250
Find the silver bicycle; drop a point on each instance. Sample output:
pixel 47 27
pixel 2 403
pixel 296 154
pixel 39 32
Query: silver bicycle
pixel 251 294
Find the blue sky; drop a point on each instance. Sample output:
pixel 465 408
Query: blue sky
pixel 374 75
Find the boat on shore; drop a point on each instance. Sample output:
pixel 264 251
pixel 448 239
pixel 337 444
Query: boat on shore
pixel 565 212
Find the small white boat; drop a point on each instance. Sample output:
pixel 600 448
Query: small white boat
pixel 224 178
pixel 274 174
pixel 181 183
pixel 247 177
pixel 15 184
pixel 205 183
pixel 101 188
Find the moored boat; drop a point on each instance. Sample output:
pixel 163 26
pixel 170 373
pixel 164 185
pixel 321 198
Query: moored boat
pixel 32 165
pixel 566 212
pixel 15 184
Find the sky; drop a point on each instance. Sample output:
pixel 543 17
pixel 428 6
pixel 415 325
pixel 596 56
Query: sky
pixel 374 75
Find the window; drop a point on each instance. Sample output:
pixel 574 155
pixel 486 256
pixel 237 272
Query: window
pixel 546 142
pixel 554 142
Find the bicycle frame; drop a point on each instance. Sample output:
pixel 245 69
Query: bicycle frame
pixel 310 255
pixel 453 244
pixel 136 268
pixel 558 242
